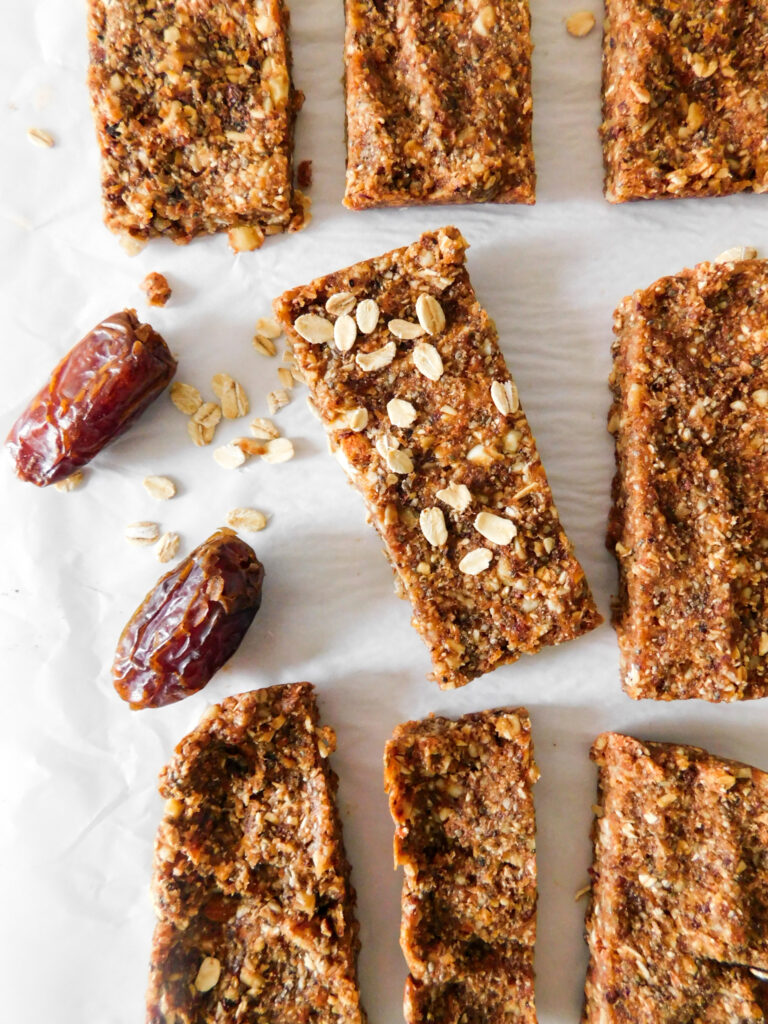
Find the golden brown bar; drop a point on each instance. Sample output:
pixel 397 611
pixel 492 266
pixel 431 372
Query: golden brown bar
pixel 689 524
pixel 677 925
pixel 438 103
pixel 460 796
pixel 194 110
pixel 251 886
pixel 684 87
pixel 425 418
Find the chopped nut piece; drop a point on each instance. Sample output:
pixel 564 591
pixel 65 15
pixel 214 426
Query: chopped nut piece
pixel 367 315
pixel 245 238
pixel 40 138
pixel 458 496
pixel 248 519
pixel 230 456
pixel 340 303
pixel 460 797
pixel 641 94
pixel 314 329
pixel 168 546
pixel 430 314
pixel 401 413
pixel 264 429
pixel 428 360
pixel 344 332
pixel 737 253
pixel 142 532
pixel 262 935
pixel 377 359
pixel 71 482
pixel 157 288
pixel 264 345
pixel 495 528
pixel 432 523
pixel 268 327
pixel 504 395
pixel 278 399
pixel 279 450
pixel 580 24
pixel 405 329
pixel 160 487
pixel 476 561
pixel 186 398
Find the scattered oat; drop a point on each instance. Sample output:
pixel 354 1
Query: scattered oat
pixel 286 377
pixel 268 328
pixel 475 561
pixel 580 24
pixel 157 289
pixel 340 303
pixel 277 400
pixel 71 482
pixel 377 359
pixel 495 528
pixel 248 519
pixel 208 974
pixel 264 345
pixel 168 546
pixel 505 397
pixel 40 138
pixel 160 487
pixel 186 398
pixel 367 315
pixel 313 328
pixel 405 329
pixel 458 496
pixel 581 892
pixel 401 413
pixel 250 445
pixel 264 429
pixel 279 450
pixel 230 456
pixel 432 523
pixel 736 254
pixel 142 532
pixel 428 361
pixel 345 332
pixel 200 434
pixel 245 238
pixel 430 314
pixel 234 401
pixel 208 415
pixel 132 246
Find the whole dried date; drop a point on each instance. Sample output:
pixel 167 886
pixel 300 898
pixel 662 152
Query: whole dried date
pixel 190 624
pixel 98 389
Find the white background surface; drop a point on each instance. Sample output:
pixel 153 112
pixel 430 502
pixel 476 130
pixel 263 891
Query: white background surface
pixel 78 800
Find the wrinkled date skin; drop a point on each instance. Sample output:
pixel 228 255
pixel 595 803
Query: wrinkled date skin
pixel 97 390
pixel 190 624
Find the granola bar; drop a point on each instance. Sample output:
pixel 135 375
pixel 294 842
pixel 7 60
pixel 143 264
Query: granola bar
pixel 251 886
pixel 688 524
pixel 684 87
pixel 678 922
pixel 194 110
pixel 405 370
pixel 460 796
pixel 438 103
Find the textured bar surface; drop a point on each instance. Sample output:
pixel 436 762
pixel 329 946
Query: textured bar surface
pixel 689 523
pixel 679 907
pixel 194 110
pixel 684 87
pixel 438 102
pixel 460 796
pixel 251 886
pixel 460 457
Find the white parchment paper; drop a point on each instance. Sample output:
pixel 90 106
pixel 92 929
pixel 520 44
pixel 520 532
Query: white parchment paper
pixel 78 800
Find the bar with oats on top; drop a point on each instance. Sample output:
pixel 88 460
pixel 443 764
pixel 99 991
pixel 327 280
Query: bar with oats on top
pixel 438 103
pixel 677 925
pixel 460 797
pixel 251 884
pixel 404 368
pixel 194 110
pixel 684 87
pixel 689 524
